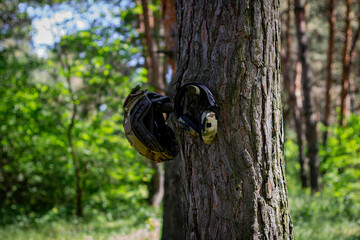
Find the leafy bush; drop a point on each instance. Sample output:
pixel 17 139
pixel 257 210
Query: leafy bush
pixel 332 213
pixel 341 166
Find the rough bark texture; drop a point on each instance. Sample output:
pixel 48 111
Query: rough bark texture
pixel 293 88
pixel 234 188
pixel 308 101
pixel 329 67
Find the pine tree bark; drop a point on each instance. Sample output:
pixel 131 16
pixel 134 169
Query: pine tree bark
pixel 308 101
pixel 235 187
pixel 329 67
pixel 291 87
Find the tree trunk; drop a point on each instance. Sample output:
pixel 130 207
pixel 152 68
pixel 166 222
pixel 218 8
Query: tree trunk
pixel 172 227
pixel 346 61
pixel 173 204
pixel 329 67
pixel 75 160
pixel 155 80
pixel 156 191
pixel 169 17
pixel 308 101
pixel 348 56
pixel 292 86
pixel 235 187
pixel 151 47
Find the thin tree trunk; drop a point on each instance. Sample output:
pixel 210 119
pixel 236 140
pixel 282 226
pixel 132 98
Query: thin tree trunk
pixel 329 67
pixel 152 64
pixel 291 88
pixel 299 126
pixel 79 208
pixel 151 46
pixel 235 187
pixel 156 192
pixel 308 101
pixel 173 203
pixel 173 198
pixel 346 61
pixel 349 53
pixel 78 188
pixel 352 95
pixel 169 16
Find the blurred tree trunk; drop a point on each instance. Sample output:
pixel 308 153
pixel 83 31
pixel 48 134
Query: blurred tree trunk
pixel 76 163
pixel 308 101
pixel 151 49
pixel 345 63
pixel 235 187
pixel 348 56
pixel 352 95
pixel 156 191
pixel 292 86
pixel 152 64
pixel 172 228
pixel 79 190
pixel 169 18
pixel 329 67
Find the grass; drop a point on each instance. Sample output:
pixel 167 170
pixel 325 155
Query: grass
pixel 315 217
pixel 145 224
pixel 61 230
pixel 318 218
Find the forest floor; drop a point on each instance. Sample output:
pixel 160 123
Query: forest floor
pixel 94 230
pixel 314 218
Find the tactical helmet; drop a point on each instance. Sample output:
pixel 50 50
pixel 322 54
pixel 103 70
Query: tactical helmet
pixel 145 126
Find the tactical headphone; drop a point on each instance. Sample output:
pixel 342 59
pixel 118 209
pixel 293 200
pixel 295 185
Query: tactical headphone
pixel 206 124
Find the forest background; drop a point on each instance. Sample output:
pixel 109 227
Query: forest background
pixel 66 168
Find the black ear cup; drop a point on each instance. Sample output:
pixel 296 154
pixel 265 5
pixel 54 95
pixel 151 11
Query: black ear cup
pixel 206 123
pixel 208 126
pixel 188 123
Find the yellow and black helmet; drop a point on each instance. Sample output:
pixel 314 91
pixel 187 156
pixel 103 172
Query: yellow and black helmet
pixel 145 126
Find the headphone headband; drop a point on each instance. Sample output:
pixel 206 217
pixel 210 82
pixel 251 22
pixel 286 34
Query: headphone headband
pixel 197 89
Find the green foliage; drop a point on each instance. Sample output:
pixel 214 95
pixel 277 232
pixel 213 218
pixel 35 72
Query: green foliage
pixel 341 166
pixel 90 69
pixel 318 217
pixel 334 212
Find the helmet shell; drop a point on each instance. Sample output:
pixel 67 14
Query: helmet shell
pixel 145 126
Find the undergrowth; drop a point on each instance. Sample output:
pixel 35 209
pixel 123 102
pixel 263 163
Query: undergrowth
pixel 334 212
